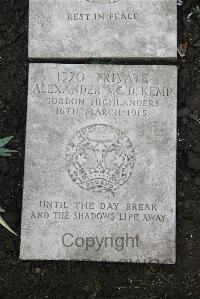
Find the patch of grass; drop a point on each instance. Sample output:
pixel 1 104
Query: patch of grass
pixel 195 12
pixel 93 288
pixel 5 152
pixel 99 60
pixel 4 224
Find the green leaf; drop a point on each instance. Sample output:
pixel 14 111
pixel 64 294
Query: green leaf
pixel 8 150
pixel 2 210
pixel 5 152
pixel 5 155
pixel 4 224
pixel 4 141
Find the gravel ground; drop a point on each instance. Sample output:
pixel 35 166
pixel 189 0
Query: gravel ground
pixel 24 279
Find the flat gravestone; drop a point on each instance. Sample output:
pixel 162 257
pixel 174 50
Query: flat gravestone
pixel 100 163
pixel 103 28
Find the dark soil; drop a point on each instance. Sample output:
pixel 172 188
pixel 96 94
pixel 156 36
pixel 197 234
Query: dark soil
pixel 25 279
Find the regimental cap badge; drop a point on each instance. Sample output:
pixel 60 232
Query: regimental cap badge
pixel 100 158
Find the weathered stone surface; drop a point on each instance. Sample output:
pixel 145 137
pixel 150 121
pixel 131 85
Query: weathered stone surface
pixel 100 163
pixel 103 28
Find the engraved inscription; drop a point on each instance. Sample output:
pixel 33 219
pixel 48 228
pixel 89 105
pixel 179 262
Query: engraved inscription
pixel 102 16
pixel 100 158
pixel 102 29
pixel 100 162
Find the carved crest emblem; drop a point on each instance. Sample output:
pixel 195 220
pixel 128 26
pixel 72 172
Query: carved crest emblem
pixel 100 158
